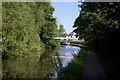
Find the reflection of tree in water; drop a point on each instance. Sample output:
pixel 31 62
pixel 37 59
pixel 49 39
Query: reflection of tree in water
pixel 30 66
pixel 57 63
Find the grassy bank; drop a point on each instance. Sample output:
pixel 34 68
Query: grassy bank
pixel 77 43
pixel 74 70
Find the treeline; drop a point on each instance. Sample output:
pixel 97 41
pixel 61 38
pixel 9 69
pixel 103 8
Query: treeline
pixel 27 26
pixel 99 25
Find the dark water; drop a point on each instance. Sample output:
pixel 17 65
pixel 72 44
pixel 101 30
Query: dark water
pixel 45 65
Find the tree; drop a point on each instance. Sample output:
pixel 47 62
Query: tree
pixel 97 21
pixel 49 29
pixel 27 26
pixel 61 31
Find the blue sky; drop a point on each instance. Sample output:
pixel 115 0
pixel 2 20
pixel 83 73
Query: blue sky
pixel 66 13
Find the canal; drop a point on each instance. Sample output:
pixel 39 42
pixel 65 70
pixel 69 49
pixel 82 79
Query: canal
pixel 46 65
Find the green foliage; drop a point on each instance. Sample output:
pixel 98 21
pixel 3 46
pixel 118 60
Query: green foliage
pixel 77 42
pixel 27 26
pixel 49 29
pixel 74 69
pixel 61 31
pixel 98 23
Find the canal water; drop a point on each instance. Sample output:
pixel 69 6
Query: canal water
pixel 46 65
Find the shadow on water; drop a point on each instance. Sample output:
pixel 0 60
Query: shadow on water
pixel 47 65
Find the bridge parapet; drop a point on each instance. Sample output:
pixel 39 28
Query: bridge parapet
pixel 66 38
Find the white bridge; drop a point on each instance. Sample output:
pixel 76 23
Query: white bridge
pixel 71 37
pixel 67 38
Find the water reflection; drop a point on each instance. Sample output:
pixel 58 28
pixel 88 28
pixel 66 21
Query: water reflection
pixel 67 53
pixel 46 65
pixel 30 66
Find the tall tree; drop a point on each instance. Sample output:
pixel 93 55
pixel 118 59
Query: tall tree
pixel 27 26
pixel 61 31
pixel 97 21
pixel 49 29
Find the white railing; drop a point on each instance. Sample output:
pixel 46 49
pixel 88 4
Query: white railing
pixel 66 38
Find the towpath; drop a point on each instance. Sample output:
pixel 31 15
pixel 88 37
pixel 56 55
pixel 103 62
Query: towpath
pixel 93 69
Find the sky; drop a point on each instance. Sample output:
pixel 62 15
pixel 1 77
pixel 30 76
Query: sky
pixel 66 13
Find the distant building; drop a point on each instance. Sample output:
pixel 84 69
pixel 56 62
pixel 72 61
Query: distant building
pixel 73 37
pixel 70 37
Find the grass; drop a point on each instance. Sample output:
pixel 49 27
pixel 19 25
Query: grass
pixel 78 43
pixel 74 70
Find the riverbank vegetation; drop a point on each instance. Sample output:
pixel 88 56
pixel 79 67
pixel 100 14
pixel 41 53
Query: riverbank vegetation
pixel 27 26
pixel 77 43
pixel 74 69
pixel 99 25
